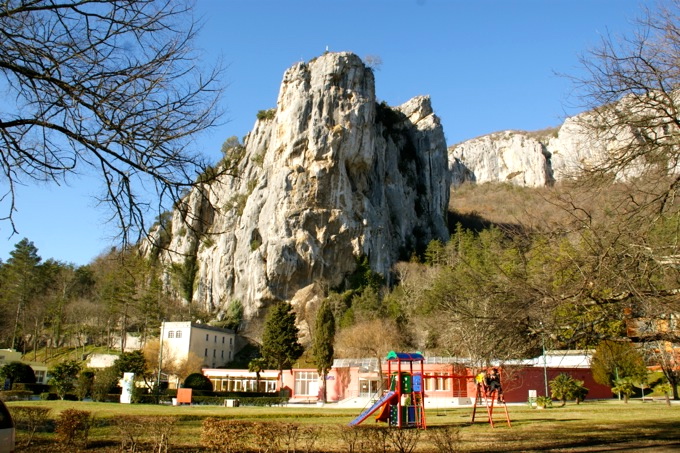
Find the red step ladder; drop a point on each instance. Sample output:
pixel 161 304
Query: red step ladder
pixel 489 399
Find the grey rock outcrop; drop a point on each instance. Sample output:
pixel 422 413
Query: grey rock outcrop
pixel 535 159
pixel 508 156
pixel 327 177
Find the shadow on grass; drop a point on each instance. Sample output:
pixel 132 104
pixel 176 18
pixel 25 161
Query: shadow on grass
pixel 657 436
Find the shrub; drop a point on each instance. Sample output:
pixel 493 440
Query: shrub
pixel 373 439
pixel 228 436
pixel 564 387
pixel 266 114
pixel 84 384
pixel 105 380
pixel 269 434
pixel 403 440
pixel 15 395
pixel 48 396
pixel 198 381
pixel 18 372
pixel 73 425
pixel 543 401
pixel 445 439
pixel 352 438
pixel 30 419
pixel 36 389
pixel 626 386
pixel 266 401
pixel 136 429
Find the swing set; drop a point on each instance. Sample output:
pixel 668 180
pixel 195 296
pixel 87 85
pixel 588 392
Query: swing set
pixel 403 405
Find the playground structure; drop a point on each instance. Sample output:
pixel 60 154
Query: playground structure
pixel 403 405
pixel 483 396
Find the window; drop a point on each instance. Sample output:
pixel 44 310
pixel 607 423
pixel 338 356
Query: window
pixel 222 354
pixel 178 334
pixel 222 340
pixel 215 338
pixel 231 339
pixel 206 352
pixel 207 337
pixel 171 334
pixel 40 376
pixel 437 381
pixel 307 383
pixel 214 353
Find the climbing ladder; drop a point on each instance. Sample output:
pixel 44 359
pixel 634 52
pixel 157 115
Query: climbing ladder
pixel 419 409
pixel 489 400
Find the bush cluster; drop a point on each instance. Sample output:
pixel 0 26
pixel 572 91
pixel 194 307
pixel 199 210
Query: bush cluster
pixel 139 431
pixel 231 436
pixel 30 419
pixel 73 426
pixel 267 401
pixel 266 114
pixel 380 439
pixel 15 395
pixel 36 389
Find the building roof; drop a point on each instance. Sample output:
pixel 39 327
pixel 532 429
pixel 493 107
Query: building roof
pixel 196 325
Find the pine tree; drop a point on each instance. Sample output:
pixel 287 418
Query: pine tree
pixel 322 345
pixel 280 346
pixel 21 281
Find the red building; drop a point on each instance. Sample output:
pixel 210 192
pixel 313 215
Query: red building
pixel 447 381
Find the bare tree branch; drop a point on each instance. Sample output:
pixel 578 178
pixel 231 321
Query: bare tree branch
pixel 110 86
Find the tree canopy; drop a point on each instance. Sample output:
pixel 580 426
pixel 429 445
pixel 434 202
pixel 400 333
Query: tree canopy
pixel 110 88
pixel 280 346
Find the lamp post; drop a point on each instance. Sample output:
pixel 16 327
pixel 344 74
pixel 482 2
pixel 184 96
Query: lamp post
pixel 160 363
pixel 545 361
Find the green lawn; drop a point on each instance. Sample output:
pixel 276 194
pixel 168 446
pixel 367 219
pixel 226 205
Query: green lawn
pixel 591 426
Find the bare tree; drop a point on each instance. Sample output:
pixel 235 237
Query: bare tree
pixel 631 84
pixel 109 87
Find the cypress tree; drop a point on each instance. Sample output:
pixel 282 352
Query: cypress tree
pixel 322 345
pixel 280 346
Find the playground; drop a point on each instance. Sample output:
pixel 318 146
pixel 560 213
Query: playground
pixel 591 426
pixel 403 404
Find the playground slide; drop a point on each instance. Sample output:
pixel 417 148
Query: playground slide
pixel 378 404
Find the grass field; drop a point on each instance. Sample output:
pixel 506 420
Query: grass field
pixel 588 427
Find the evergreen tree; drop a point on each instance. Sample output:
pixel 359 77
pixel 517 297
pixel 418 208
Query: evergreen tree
pixel 322 345
pixel 21 280
pixel 616 360
pixel 132 362
pixel 64 376
pixel 280 346
pixel 17 372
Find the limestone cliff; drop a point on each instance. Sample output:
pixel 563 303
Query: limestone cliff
pixel 508 156
pixel 328 176
pixel 532 159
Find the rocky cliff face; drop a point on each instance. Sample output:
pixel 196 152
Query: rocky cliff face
pixel 531 159
pixel 327 177
pixel 508 156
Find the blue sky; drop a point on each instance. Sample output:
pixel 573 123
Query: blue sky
pixel 487 65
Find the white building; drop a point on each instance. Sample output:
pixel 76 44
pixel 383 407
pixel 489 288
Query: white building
pixel 10 355
pixel 214 345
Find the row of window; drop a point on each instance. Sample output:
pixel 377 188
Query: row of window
pixel 207 338
pixel 214 354
pixel 307 384
pixel 178 334
pixel 243 384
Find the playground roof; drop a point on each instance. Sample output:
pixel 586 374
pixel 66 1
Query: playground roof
pixel 407 356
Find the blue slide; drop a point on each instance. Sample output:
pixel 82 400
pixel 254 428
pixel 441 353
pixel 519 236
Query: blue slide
pixel 378 404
